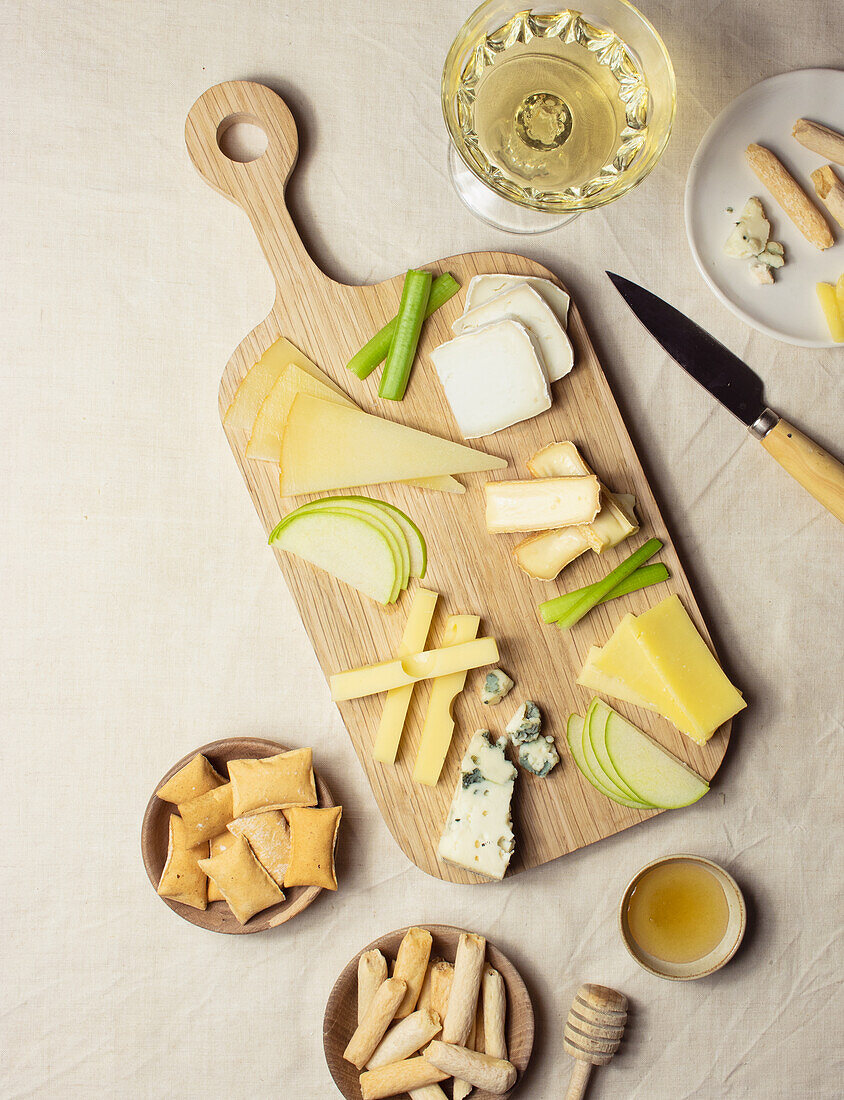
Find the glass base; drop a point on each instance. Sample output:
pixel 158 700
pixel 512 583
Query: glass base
pixel 491 208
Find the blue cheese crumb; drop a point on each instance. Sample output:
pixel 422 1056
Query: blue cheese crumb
pixel 496 685
pixel 526 724
pixel 539 756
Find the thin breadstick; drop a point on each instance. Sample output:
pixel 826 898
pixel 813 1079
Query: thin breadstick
pixel 390 1080
pixel 461 1089
pixel 830 190
pixel 479 1041
pixel 412 965
pixel 468 967
pixel 820 139
pixel 424 1000
pixel 495 1012
pixel 790 195
pixel 427 1092
pixel 442 977
pixel 372 971
pixel 496 1075
pixel 370 1030
pixel 405 1038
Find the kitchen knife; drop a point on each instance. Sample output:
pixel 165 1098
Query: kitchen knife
pixel 738 389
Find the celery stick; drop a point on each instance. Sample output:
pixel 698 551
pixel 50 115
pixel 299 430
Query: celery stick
pixel 362 364
pixel 587 600
pixel 414 299
pixel 646 575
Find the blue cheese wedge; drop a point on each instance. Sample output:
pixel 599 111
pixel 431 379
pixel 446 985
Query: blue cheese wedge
pixel 483 287
pixel 496 685
pixel 492 377
pixel 526 723
pixel 749 240
pixel 478 834
pixel 539 756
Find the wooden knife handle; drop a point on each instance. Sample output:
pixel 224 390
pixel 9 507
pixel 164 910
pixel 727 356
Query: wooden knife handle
pixel 810 465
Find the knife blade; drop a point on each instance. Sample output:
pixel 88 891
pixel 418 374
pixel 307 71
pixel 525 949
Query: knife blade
pixel 740 390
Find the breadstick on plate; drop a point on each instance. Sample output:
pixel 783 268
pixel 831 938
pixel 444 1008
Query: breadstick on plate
pixel 830 190
pixel 820 139
pixel 370 1030
pixel 442 976
pixel 495 1012
pixel 790 195
pixel 468 968
pixel 481 1070
pixel 397 1077
pixel 424 1000
pixel 461 1089
pixel 427 1092
pixel 372 971
pixel 405 1038
pixel 412 965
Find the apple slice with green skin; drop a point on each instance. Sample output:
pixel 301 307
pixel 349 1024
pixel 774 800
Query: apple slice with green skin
pixel 648 769
pixel 596 719
pixel 600 777
pixel 415 542
pixel 349 547
pixel 364 508
pixel 574 737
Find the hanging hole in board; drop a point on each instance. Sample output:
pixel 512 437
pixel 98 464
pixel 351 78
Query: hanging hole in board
pixel 242 138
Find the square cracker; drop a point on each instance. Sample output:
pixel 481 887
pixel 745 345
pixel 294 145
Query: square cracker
pixel 242 880
pixel 313 834
pixel 207 816
pixel 182 878
pixel 269 838
pixel 195 778
pixel 275 783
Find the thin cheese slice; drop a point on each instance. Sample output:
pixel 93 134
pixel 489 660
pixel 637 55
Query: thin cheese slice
pixel 593 678
pixel 355 683
pixel 261 378
pixel 327 446
pixel 548 502
pixel 439 724
pixel 265 441
pixel 623 659
pixel 672 645
pixel 394 714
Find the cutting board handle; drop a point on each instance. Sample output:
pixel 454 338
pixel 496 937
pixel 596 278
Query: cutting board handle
pixel 257 186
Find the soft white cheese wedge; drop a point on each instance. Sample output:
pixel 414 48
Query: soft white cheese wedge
pixel 541 505
pixel 478 833
pixel 523 304
pixel 483 287
pixel 492 377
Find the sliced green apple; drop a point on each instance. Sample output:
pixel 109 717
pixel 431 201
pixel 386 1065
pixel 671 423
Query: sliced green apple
pixel 415 542
pixel 574 737
pixel 648 769
pixel 351 547
pixel 596 721
pixel 613 790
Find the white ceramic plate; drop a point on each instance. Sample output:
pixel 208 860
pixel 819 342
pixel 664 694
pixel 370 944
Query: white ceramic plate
pixel 720 177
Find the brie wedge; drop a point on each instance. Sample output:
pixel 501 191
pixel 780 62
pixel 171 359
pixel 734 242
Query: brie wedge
pixel 541 505
pixel 521 303
pixel 483 287
pixel 492 378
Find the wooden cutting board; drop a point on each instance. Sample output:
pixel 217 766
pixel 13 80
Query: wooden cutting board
pixel 471 569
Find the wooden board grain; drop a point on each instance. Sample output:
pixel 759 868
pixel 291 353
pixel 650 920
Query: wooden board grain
pixel 471 569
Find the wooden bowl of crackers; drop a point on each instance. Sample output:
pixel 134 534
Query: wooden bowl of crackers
pixel 432 1009
pixel 205 772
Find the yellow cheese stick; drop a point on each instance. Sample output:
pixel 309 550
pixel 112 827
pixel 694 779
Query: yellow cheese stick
pixel 439 725
pixel 396 704
pixel 355 683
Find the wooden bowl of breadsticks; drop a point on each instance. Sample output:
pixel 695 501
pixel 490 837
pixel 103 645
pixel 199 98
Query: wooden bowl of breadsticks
pixel 433 1010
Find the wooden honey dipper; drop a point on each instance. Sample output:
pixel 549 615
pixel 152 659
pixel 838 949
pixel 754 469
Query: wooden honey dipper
pixel 593 1032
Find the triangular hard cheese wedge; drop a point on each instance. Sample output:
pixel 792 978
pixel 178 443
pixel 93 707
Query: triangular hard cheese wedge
pixel 261 378
pixel 265 441
pixel 329 446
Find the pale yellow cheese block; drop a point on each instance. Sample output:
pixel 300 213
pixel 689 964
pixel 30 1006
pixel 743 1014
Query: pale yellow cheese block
pixel 671 643
pixel 391 726
pixel 593 678
pixel 355 683
pixel 365 450
pixel 261 378
pixel 438 728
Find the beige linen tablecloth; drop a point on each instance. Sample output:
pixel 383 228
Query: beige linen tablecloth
pixel 144 615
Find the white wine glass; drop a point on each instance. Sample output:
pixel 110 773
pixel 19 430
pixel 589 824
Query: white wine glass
pixel 551 113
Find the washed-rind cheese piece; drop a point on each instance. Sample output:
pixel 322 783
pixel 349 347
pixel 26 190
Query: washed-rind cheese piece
pixel 521 303
pixel 546 553
pixel 364 450
pixel 492 378
pixel 261 378
pixel 541 504
pixel 355 683
pixel 684 662
pixel 438 727
pixel 496 685
pixel 478 833
pixel 483 287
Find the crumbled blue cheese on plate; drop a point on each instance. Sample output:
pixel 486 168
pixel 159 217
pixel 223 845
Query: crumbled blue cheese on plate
pixel 539 756
pixel 496 685
pixel 526 723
